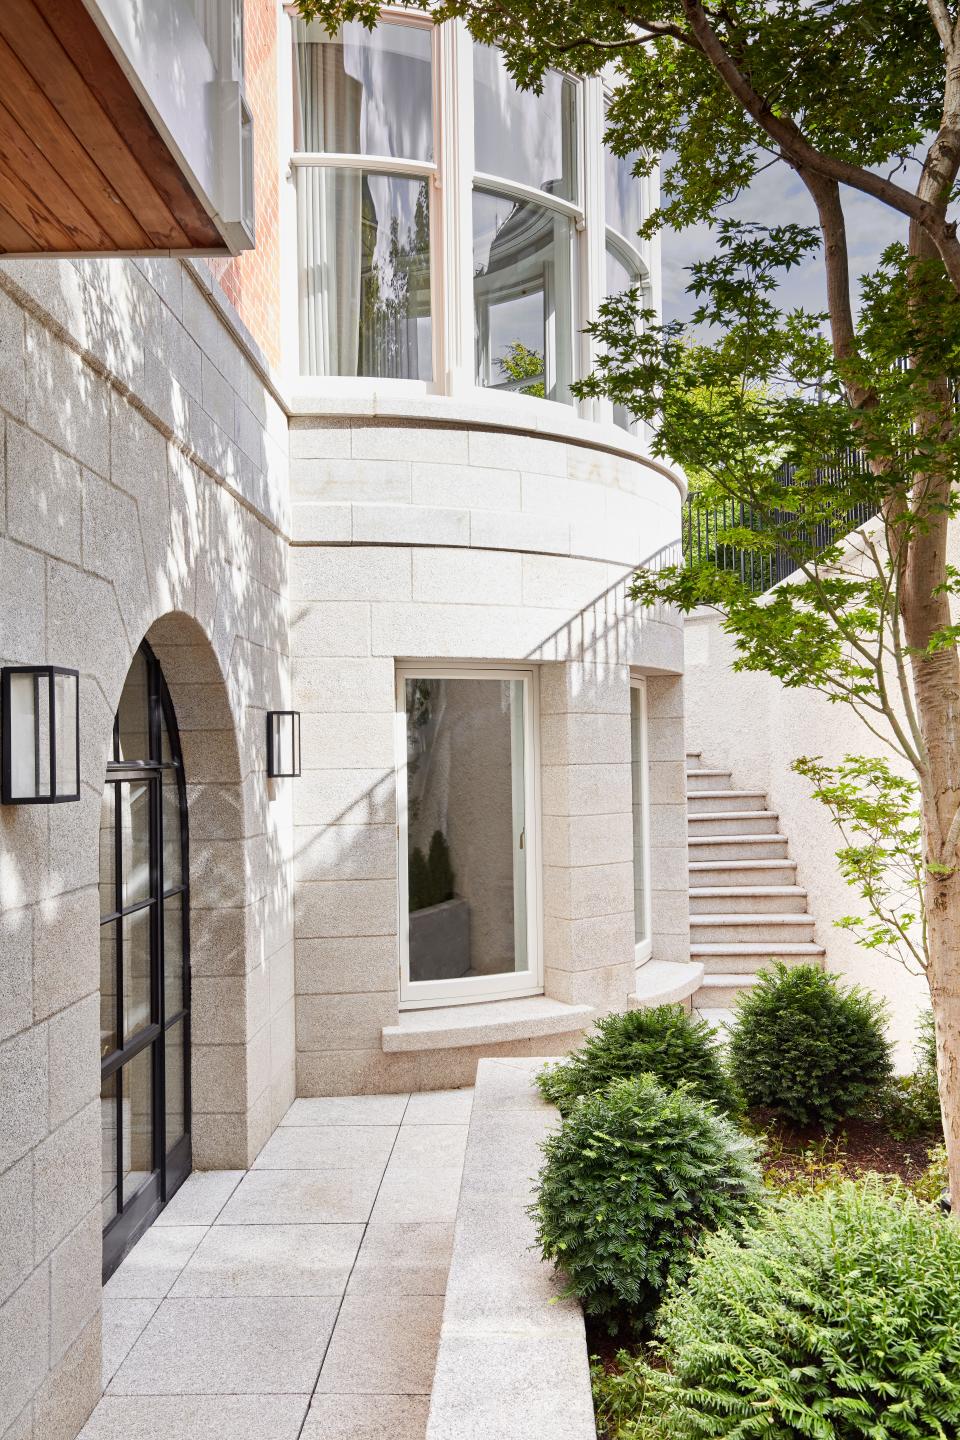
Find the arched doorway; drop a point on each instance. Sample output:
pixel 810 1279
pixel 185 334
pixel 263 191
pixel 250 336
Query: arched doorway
pixel 144 963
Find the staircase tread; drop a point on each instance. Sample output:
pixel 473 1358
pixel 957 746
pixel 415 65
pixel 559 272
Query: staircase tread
pixel 723 794
pixel 736 839
pixel 731 814
pixel 756 947
pixel 701 892
pixel 716 980
pixel 735 864
pixel 752 917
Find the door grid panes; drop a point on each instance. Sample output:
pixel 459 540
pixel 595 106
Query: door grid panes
pixel 144 972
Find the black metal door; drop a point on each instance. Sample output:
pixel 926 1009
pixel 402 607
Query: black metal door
pixel 144 963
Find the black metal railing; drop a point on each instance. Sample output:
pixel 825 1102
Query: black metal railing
pixel 704 527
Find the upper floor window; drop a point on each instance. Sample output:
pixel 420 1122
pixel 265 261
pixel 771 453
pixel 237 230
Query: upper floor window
pixel 525 216
pixel 363 227
pixel 445 234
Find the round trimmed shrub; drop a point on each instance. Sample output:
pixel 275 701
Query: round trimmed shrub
pixel 807 1048
pixel 834 1316
pixel 632 1177
pixel 663 1041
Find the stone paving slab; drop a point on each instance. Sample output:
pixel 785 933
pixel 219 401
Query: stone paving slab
pixel 270 1260
pixel 348 1110
pixel 248 1346
pixel 512 1361
pixel 302 1299
pixel 198 1417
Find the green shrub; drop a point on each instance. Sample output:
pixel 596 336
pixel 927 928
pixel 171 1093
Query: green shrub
pixel 834 1317
pixel 663 1041
pixel 631 1178
pixel 807 1048
pixel 909 1105
pixel 935 1180
pixel 430 877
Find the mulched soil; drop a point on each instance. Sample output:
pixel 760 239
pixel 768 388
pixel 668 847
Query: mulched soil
pixel 856 1147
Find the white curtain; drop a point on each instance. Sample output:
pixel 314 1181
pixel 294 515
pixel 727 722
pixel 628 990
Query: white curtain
pixel 327 118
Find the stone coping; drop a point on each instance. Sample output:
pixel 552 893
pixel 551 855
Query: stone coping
pixel 666 982
pixel 486 1023
pixel 512 1362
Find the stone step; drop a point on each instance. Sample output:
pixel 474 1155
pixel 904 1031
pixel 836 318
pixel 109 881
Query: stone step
pixel 700 780
pixel 666 982
pixel 732 822
pixel 747 899
pixel 694 754
pixel 710 802
pixel 720 1019
pixel 737 847
pixel 746 957
pixel 720 991
pixel 731 873
pixel 769 929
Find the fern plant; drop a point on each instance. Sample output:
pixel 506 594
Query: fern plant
pixel 834 1318
pixel 630 1181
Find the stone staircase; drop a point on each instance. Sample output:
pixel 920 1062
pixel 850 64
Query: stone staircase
pixel 746 907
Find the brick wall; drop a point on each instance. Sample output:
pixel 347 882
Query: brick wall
pixel 252 280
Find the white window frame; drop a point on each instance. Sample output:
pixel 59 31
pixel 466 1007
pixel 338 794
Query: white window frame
pixel 452 183
pixel 644 949
pixel 429 170
pixel 426 994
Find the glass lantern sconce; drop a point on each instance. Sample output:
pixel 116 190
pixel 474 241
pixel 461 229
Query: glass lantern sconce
pixel 40 750
pixel 283 744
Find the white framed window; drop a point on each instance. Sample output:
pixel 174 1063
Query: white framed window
pixel 527 213
pixel 454 233
pixel 467 812
pixel 625 266
pixel 364 168
pixel 640 791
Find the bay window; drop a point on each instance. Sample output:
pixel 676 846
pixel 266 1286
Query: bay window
pixel 452 228
pixel 364 157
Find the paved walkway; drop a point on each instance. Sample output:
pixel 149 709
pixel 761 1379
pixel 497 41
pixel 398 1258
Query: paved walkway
pixel 299 1300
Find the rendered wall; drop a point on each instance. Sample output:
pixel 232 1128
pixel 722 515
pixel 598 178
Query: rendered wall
pixel 142 486
pixel 751 725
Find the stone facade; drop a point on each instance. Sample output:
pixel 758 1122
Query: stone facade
pixel 156 487
pixel 144 488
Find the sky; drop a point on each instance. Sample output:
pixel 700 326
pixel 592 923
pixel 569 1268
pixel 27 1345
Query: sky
pixel 776 197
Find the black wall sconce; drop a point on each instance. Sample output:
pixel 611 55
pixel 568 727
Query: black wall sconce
pixel 40 750
pixel 283 744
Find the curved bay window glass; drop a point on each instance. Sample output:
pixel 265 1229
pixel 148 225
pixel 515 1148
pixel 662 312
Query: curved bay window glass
pixel 623 195
pixel 364 230
pixel 524 247
pixel 144 945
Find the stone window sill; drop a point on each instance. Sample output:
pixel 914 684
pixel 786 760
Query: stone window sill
pixel 487 1023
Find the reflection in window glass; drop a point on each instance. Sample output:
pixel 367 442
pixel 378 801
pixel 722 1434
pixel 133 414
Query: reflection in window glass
pixel 133 712
pixel 363 92
pixel 364 274
pixel 174 1042
pixel 641 842
pixel 170 806
pixel 522 291
pixel 528 138
pixel 465 828
pixel 136 1122
pixel 620 277
pixel 173 955
pixel 623 194
pixel 135 840
pixel 108 987
pixel 108 1134
pixel 136 972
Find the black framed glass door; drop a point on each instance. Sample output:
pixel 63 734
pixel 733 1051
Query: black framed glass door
pixel 144 963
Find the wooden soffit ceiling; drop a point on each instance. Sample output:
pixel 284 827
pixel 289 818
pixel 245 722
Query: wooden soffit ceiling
pixel 83 169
